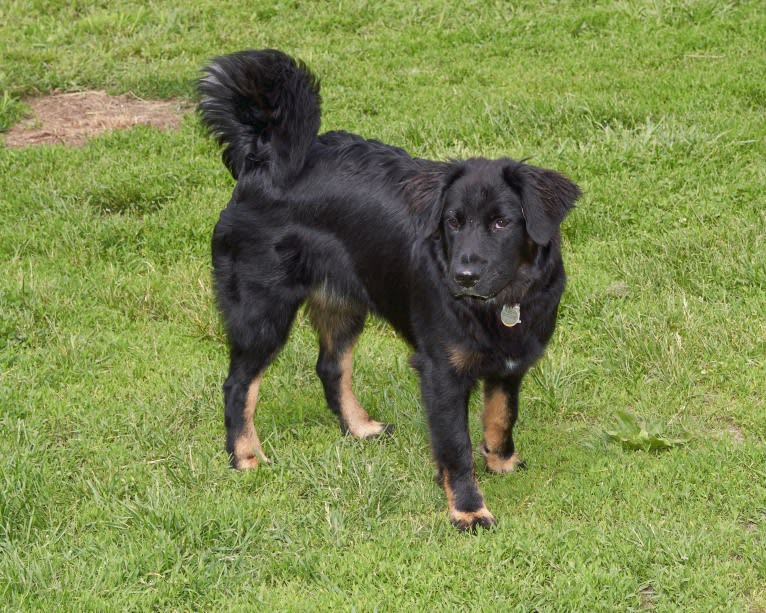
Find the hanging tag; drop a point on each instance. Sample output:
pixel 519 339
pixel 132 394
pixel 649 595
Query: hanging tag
pixel 511 315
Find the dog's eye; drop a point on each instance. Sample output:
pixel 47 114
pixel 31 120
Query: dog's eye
pixel 501 223
pixel 453 222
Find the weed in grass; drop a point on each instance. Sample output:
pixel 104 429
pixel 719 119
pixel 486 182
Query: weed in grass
pixel 633 434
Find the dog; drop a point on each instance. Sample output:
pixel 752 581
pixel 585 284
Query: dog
pixel 462 258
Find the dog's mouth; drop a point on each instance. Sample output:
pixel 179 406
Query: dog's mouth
pixel 469 293
pixel 511 293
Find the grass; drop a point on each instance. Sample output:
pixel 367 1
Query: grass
pixel 115 491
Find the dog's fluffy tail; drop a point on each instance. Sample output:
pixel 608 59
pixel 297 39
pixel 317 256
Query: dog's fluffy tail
pixel 264 106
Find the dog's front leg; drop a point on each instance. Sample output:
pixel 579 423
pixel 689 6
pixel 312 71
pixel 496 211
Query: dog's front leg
pixel 445 395
pixel 501 409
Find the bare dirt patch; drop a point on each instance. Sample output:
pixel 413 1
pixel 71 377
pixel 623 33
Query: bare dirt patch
pixel 647 596
pixel 73 118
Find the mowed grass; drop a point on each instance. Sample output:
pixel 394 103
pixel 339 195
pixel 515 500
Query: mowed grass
pixel 115 492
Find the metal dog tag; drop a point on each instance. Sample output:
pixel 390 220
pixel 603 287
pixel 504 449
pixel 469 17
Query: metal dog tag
pixel 511 315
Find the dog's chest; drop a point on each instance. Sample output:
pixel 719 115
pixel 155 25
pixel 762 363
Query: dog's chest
pixel 499 351
pixel 507 359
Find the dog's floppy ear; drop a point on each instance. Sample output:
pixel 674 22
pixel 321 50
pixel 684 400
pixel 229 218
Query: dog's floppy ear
pixel 425 196
pixel 546 198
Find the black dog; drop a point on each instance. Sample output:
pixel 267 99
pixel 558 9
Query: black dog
pixel 462 258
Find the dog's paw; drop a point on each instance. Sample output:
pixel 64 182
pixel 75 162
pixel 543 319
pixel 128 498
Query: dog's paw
pixel 469 521
pixel 248 462
pixel 498 464
pixel 388 430
pixel 370 429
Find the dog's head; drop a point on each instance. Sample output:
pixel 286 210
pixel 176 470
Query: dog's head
pixel 491 218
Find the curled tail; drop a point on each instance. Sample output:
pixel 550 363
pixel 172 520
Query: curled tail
pixel 265 107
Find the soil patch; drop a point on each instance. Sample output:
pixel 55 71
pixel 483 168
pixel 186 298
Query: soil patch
pixel 72 118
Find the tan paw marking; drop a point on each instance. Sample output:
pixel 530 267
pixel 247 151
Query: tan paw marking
pixel 470 520
pixel 358 422
pixel 248 448
pixel 499 464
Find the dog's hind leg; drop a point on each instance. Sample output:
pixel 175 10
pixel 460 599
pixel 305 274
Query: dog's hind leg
pixel 251 353
pixel 339 325
pixel 240 397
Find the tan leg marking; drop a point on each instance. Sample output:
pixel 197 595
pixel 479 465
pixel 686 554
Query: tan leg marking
pixel 359 423
pixel 466 520
pixel 336 319
pixel 329 314
pixel 496 424
pixel 247 448
pixel 495 418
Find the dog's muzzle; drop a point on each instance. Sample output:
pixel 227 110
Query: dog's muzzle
pixel 467 278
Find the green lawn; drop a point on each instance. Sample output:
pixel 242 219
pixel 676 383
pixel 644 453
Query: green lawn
pixel 115 491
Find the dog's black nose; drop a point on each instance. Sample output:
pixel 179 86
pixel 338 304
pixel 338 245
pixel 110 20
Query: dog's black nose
pixel 467 278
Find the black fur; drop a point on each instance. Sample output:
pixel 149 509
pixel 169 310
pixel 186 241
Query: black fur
pixel 356 226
